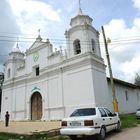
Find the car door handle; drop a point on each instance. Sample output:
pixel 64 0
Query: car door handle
pixel 103 119
pixel 110 118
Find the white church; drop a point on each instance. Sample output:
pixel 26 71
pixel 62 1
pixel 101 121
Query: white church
pixel 43 84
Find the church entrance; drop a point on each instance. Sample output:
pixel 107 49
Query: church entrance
pixel 36 106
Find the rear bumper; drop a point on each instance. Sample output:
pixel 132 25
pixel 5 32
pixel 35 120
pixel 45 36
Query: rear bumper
pixel 80 131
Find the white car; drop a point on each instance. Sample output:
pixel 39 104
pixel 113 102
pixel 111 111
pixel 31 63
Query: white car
pixel 138 114
pixel 90 121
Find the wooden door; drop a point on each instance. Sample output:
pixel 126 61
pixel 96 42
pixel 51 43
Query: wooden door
pixel 36 106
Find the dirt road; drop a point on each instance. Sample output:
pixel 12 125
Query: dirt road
pixel 128 134
pixel 125 134
pixel 29 127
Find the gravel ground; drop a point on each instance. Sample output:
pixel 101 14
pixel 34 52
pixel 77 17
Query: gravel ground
pixel 29 127
pixel 127 134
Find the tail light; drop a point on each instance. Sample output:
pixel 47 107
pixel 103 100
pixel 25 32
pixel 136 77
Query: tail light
pixel 63 123
pixel 88 123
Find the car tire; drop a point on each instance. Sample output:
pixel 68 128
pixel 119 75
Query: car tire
pixel 118 128
pixel 73 137
pixel 101 136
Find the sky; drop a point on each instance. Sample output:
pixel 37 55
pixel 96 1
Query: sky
pixel 21 20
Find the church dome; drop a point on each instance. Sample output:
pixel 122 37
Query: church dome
pixel 80 19
pixel 16 53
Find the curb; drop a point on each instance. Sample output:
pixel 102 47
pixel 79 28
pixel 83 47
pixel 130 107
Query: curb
pixel 50 133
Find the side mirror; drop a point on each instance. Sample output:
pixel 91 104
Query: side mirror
pixel 115 114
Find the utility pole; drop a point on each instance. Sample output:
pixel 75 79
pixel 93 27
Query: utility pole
pixel 115 103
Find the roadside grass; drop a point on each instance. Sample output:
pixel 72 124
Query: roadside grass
pixel 127 120
pixel 11 136
pixel 59 138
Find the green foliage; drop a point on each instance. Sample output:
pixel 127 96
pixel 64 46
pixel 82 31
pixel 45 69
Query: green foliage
pixel 5 136
pixel 137 79
pixel 129 120
pixel 59 138
pixel 10 136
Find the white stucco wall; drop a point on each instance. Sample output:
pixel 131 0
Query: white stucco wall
pixel 78 91
pixel 125 106
pixel 101 89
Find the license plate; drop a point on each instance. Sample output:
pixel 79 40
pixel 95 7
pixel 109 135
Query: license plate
pixel 75 123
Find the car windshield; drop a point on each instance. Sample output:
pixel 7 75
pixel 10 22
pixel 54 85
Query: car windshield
pixel 84 112
pixel 138 109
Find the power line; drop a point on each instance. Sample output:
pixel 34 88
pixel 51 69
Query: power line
pixel 71 42
pixel 128 38
pixel 115 42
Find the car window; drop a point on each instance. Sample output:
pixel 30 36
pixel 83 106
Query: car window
pixel 102 112
pixel 108 112
pixel 84 112
pixel 138 109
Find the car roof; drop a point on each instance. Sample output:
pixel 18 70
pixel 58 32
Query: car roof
pixel 91 107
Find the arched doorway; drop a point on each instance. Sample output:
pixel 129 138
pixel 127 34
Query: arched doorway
pixel 36 106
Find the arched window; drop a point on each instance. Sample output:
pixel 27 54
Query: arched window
pixel 9 73
pixel 77 46
pixel 93 45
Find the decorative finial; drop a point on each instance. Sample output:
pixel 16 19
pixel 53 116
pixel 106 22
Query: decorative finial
pixel 39 37
pixel 38 32
pixel 17 43
pixel 80 10
pixel 79 4
pixel 16 47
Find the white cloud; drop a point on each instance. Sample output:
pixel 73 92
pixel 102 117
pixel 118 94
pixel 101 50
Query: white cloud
pixel 124 48
pixel 30 8
pixel 8 26
pixel 33 15
pixel 130 68
pixel 136 4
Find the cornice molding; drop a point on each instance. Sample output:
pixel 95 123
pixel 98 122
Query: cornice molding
pixel 82 27
pixel 66 65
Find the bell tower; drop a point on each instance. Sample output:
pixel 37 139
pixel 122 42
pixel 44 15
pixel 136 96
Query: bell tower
pixel 86 65
pixel 15 61
pixel 82 37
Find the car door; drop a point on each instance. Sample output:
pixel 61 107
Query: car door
pixel 111 119
pixel 105 119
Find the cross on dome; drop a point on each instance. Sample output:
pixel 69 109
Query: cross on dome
pixel 39 37
pixel 16 47
pixel 80 10
pixel 17 44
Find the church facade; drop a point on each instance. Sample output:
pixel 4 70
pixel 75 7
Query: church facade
pixel 47 84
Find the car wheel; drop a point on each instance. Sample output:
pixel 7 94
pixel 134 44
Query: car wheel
pixel 73 137
pixel 118 128
pixel 101 136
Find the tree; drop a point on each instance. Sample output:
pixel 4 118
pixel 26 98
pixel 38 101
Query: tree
pixel 137 79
